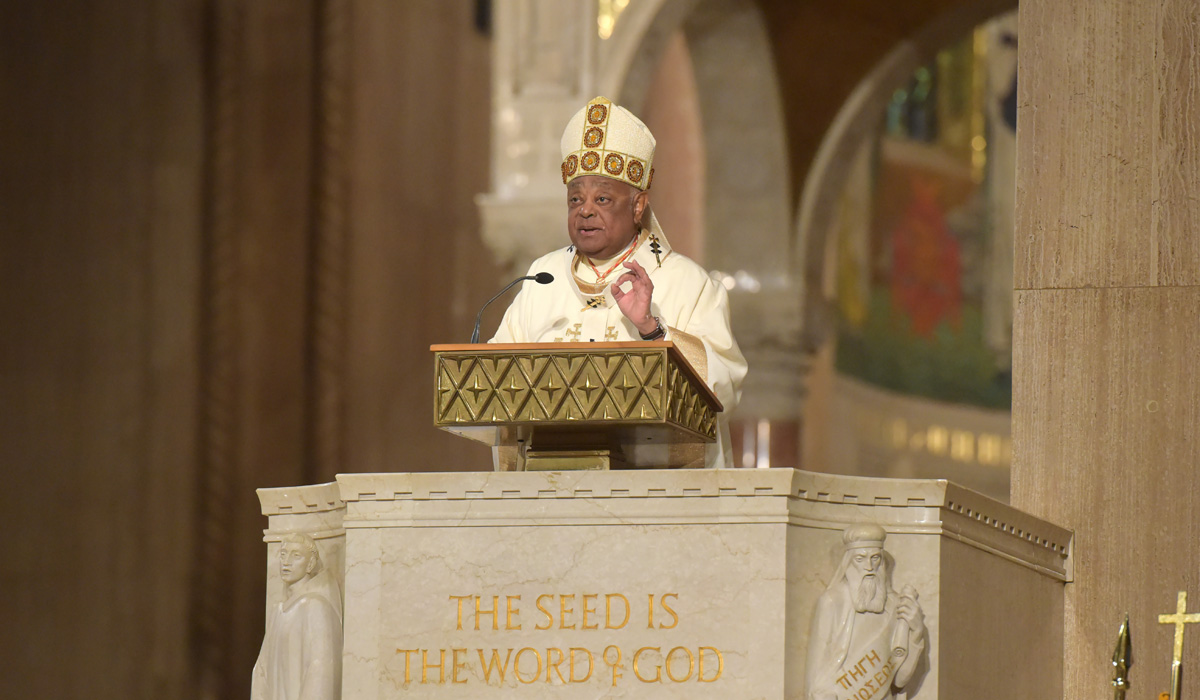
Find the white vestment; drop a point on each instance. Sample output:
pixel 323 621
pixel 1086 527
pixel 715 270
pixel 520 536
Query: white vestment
pixel 692 307
pixel 301 656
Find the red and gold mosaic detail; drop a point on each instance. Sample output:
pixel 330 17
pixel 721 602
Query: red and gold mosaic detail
pixel 569 167
pixel 593 137
pixel 614 164
pixel 597 114
pixel 590 161
pixel 634 171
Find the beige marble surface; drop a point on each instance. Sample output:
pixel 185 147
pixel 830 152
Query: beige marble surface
pixel 730 561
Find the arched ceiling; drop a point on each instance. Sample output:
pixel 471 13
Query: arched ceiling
pixel 822 50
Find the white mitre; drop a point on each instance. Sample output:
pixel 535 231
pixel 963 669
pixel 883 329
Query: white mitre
pixel 606 139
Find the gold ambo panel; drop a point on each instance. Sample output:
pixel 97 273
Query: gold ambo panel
pixel 568 386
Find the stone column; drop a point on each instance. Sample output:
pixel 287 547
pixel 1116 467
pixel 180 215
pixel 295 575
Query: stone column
pixel 1106 367
pixel 543 59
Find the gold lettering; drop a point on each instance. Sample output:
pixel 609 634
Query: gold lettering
pixel 873 657
pixel 495 665
pixel 440 666
pixel 510 612
pixel 858 671
pixel 691 663
pixel 674 617
pixel 551 664
pixel 456 665
pixel 480 612
pixel 549 617
pixel 614 664
pixel 460 599
pixel 407 670
pixel 843 682
pixel 608 598
pixel 563 611
pixel 517 666
pixel 657 669
pixel 591 665
pixel 650 620
pixel 586 610
pixel 700 668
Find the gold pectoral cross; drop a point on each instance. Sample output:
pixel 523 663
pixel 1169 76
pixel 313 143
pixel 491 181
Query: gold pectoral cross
pixel 575 332
pixel 1179 619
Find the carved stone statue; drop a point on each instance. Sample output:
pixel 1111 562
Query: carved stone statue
pixel 301 656
pixel 867 641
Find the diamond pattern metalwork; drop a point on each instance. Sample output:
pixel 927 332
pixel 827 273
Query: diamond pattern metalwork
pixel 566 386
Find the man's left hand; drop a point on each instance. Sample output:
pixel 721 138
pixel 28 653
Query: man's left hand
pixel 909 610
pixel 635 303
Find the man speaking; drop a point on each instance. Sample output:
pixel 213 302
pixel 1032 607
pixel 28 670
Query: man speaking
pixel 619 279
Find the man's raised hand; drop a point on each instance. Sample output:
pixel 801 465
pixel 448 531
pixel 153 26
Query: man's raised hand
pixel 635 303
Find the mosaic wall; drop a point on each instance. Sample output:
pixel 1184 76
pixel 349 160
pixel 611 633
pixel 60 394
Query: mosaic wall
pixel 924 263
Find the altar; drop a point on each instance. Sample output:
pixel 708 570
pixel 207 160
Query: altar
pixel 667 583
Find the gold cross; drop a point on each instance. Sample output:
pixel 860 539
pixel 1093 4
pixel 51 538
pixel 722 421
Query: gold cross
pixel 575 332
pixel 594 303
pixel 610 333
pixel 1179 619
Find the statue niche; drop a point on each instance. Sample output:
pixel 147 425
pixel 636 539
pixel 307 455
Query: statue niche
pixel 301 656
pixel 867 641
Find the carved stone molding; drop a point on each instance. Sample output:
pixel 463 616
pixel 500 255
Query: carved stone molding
pixel 826 501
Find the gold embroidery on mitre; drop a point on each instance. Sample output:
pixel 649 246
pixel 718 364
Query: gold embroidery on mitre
pixel 614 164
pixel 593 137
pixel 602 153
pixel 569 166
pixel 597 113
pixel 634 171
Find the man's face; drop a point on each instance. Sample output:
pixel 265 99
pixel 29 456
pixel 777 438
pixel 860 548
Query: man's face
pixel 601 214
pixel 865 575
pixel 867 561
pixel 294 562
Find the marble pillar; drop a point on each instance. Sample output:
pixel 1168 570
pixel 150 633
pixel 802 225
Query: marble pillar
pixel 1106 390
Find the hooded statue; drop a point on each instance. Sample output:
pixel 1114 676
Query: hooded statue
pixel 866 640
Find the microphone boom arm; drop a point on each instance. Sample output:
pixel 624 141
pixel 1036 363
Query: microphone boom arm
pixel 540 278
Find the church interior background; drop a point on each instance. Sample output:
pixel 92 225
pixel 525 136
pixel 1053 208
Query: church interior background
pixel 232 228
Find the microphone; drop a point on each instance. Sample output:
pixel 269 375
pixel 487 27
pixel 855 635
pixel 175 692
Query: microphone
pixel 540 278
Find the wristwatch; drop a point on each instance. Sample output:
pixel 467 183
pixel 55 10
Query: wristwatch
pixel 658 331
